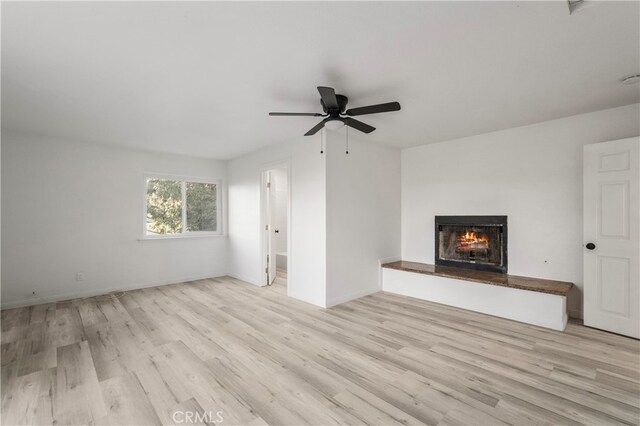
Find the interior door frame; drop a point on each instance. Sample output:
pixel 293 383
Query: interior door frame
pixel 278 164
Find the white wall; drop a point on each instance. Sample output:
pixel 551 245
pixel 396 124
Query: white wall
pixel 533 174
pixel 72 207
pixel 363 214
pixel 345 215
pixel 245 233
pixel 0 220
pixel 307 274
pixel 76 207
pixel 307 262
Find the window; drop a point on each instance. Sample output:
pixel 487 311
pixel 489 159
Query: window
pixel 178 207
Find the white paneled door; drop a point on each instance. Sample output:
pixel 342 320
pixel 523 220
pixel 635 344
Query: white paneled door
pixel 271 190
pixel 269 214
pixel 612 236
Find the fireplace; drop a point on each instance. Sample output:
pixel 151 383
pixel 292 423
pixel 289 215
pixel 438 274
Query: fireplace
pixel 472 242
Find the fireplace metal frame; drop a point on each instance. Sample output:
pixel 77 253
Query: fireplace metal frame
pixel 478 221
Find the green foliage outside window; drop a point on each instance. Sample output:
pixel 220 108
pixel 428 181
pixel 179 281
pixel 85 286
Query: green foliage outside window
pixel 164 206
pixel 202 212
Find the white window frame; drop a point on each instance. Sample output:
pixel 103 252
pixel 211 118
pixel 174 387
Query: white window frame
pixel 183 180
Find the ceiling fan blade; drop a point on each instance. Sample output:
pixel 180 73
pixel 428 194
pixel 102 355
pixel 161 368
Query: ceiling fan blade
pixel 358 125
pixel 374 109
pixel 295 114
pixel 316 128
pixel 328 96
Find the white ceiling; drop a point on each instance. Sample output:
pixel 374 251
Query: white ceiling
pixel 199 78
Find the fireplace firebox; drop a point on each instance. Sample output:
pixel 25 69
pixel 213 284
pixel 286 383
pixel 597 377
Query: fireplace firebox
pixel 472 242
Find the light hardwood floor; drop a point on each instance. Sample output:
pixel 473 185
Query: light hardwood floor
pixel 259 357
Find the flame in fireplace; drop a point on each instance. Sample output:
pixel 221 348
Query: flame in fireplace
pixel 470 242
pixel 471 237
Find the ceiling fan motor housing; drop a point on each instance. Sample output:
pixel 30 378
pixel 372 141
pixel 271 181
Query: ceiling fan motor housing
pixel 342 106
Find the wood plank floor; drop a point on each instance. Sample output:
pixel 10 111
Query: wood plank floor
pixel 258 357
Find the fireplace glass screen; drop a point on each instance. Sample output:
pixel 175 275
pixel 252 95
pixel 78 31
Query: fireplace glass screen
pixel 471 244
pixel 475 242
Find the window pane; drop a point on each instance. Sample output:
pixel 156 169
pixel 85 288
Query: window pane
pixel 202 209
pixel 164 206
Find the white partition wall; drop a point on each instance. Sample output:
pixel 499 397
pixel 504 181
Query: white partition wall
pixel 345 216
pixel 363 214
pixel 306 279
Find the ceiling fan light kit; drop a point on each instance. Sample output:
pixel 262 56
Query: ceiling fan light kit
pixel 334 124
pixel 336 113
pixel 323 138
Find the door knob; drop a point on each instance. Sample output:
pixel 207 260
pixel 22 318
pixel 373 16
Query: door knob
pixel 590 246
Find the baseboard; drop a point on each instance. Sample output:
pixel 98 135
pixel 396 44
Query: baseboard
pixel 351 296
pixel 245 279
pixel 305 299
pixel 32 301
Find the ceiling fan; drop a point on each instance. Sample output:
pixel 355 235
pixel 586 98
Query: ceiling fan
pixel 335 109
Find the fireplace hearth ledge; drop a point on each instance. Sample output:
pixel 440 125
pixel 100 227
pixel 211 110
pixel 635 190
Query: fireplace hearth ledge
pixel 561 288
pixel 530 300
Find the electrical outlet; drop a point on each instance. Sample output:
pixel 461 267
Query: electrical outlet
pixel 79 276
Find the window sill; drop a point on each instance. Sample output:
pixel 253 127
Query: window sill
pixel 180 237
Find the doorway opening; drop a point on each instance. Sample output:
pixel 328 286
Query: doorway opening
pixel 275 216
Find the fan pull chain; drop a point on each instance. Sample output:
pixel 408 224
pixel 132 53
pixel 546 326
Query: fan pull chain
pixel 347 151
pixel 322 141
